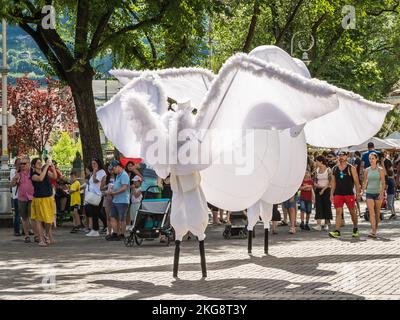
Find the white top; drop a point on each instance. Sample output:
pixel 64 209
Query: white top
pixel 95 187
pixel 14 192
pixel 322 178
pixel 133 198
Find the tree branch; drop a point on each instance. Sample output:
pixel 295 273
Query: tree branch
pixel 57 45
pixel 252 27
pixel 393 9
pixel 289 21
pixel 51 58
pixel 142 24
pixel 98 33
pixel 81 30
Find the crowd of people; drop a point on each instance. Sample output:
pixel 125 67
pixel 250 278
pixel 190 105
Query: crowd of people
pixel 341 179
pixel 112 193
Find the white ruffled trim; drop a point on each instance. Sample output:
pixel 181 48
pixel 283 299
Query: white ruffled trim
pixel 153 80
pixel 164 73
pixel 354 96
pixel 260 68
pixel 138 112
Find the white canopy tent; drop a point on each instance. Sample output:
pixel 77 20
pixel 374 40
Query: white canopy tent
pixel 378 143
pixel 394 135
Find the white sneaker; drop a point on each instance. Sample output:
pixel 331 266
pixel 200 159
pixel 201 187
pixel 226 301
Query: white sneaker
pixel 326 227
pixel 317 227
pixel 93 233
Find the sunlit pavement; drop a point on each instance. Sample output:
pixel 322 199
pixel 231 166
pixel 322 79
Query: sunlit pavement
pixel 307 265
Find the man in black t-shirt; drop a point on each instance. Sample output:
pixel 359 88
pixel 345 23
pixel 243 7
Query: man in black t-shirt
pixel 344 179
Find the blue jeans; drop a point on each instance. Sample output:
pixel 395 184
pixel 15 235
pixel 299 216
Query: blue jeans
pixel 16 216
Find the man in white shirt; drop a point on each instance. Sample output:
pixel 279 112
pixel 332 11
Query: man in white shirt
pixel 14 197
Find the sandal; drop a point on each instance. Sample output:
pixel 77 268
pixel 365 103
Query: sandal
pixel 36 239
pixel 27 239
pixel 292 230
pixel 372 235
pixel 283 223
pixel 42 244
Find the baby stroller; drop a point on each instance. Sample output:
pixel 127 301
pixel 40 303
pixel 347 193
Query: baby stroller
pixel 151 222
pixel 237 226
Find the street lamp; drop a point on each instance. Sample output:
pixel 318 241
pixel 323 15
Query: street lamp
pixel 5 199
pixel 301 45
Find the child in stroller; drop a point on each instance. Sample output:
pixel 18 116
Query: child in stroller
pixel 237 225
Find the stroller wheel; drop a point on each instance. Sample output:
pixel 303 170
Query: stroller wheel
pixel 242 234
pixel 129 241
pixel 138 240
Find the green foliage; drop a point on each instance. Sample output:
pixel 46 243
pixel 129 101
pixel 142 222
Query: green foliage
pixel 65 149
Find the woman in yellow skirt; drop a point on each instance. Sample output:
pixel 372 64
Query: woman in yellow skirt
pixel 43 209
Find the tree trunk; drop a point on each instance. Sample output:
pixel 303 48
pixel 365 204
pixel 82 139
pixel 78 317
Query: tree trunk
pixel 82 93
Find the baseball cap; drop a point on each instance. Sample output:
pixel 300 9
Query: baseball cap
pixel 136 178
pixel 371 145
pixel 343 153
pixel 115 163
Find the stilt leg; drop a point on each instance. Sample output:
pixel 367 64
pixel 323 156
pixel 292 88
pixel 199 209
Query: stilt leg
pixel 266 241
pixel 254 232
pixel 203 259
pixel 249 241
pixel 176 258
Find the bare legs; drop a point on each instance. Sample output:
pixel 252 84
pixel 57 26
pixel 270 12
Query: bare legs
pixel 374 208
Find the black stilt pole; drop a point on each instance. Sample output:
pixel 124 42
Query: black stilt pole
pixel 266 241
pixel 203 259
pixel 176 258
pixel 254 232
pixel 249 241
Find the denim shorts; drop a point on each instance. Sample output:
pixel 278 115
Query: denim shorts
pixel 373 196
pixel 119 211
pixel 305 206
pixel 287 204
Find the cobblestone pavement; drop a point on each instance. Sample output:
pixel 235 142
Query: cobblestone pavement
pixel 307 265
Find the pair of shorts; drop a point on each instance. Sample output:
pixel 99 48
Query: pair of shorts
pixel 76 206
pixel 288 205
pixel 305 206
pixel 24 209
pixel 340 200
pixel 119 211
pixel 372 196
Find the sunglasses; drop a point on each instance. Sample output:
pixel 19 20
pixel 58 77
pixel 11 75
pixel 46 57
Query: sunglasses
pixel 24 163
